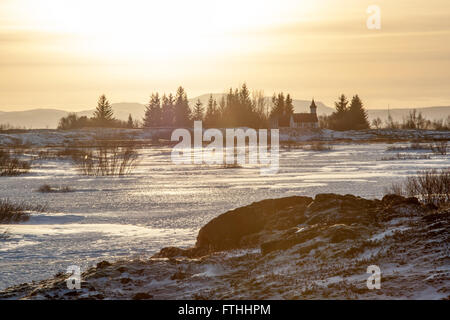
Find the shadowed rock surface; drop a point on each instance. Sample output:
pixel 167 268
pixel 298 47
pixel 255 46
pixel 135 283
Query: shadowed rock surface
pixel 288 248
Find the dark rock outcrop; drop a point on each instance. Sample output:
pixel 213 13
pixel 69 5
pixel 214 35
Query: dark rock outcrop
pixel 271 224
pixel 227 230
pixel 239 228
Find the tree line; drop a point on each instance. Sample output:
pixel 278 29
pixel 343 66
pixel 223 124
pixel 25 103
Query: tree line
pixel 237 108
pixel 347 116
pixel 353 116
pixel 240 108
pixel 103 117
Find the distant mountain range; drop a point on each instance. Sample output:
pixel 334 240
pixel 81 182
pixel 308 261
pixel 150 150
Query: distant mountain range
pixel 48 118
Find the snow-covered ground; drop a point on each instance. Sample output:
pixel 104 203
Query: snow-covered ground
pixel 46 137
pixel 162 204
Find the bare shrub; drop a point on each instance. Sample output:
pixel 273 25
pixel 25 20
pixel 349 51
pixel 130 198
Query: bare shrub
pixel 231 166
pixel 439 147
pixel 416 146
pixel 4 235
pixel 9 127
pixel 430 186
pixel 412 146
pixel 320 146
pixel 441 124
pixel 394 148
pixel 19 144
pixel 46 188
pixel 108 158
pixel 69 152
pixel 395 188
pixel 17 212
pixel 47 154
pixel 5 126
pixel 415 120
pixel 401 156
pixel 10 166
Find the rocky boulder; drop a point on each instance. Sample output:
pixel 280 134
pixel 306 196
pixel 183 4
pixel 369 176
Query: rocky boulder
pixel 228 230
pixel 278 224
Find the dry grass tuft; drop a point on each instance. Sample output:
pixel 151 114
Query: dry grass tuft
pixel 108 158
pixel 439 147
pixel 320 146
pixel 46 188
pixel 10 166
pixel 17 212
pixel 429 186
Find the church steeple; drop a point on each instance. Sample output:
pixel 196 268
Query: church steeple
pixel 313 107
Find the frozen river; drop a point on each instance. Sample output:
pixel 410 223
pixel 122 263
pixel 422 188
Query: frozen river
pixel 162 204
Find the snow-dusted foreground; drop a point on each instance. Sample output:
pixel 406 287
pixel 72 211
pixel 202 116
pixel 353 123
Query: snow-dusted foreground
pixel 287 248
pixel 162 204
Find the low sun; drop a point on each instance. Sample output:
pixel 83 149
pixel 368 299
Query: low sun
pixel 155 28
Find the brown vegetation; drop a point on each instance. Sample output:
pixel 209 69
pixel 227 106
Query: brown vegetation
pixel 430 186
pixel 17 212
pixel 46 188
pixel 108 158
pixel 11 166
pixel 439 147
pixel 320 146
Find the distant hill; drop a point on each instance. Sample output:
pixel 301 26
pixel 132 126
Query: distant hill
pixel 122 110
pixel 430 113
pixel 48 118
pixel 33 119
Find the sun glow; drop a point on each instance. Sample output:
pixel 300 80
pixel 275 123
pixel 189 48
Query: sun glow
pixel 66 53
pixel 133 29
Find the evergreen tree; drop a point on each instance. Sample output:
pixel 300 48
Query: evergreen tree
pixel 198 111
pixel 245 99
pixel 103 114
pixel 246 108
pixel 238 109
pixel 288 106
pixel 130 123
pixel 231 116
pixel 357 115
pixel 152 116
pixel 216 113
pixel 340 120
pixel 212 113
pixel 341 104
pixel 72 121
pixel 278 108
pixel 221 112
pixel 182 110
pixel 167 109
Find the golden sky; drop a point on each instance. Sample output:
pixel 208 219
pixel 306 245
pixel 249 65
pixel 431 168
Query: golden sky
pixel 64 54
